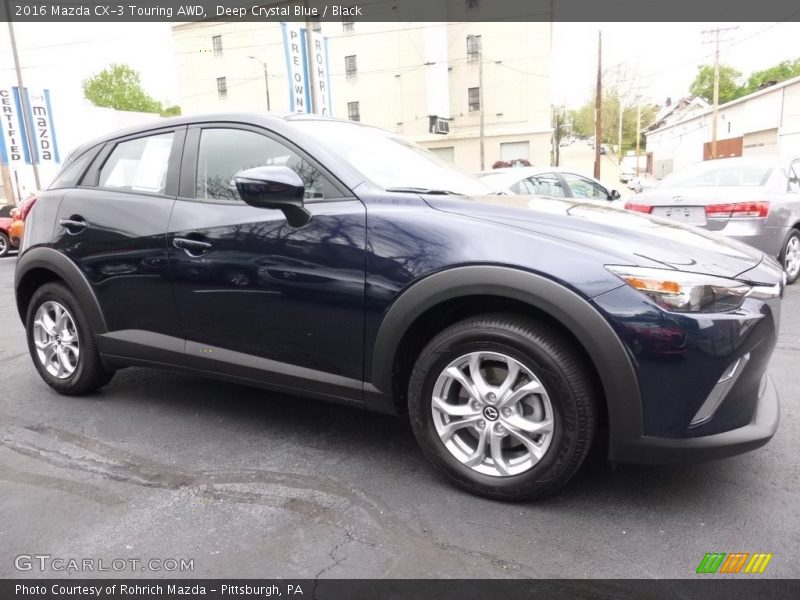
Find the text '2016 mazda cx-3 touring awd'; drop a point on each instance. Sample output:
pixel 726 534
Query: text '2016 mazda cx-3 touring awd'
pixel 340 262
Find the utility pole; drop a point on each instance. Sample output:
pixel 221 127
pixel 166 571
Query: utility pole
pixel 26 107
pixel 619 129
pixel 310 25
pixel 638 131
pixel 266 77
pixel 715 32
pixel 598 108
pixel 480 100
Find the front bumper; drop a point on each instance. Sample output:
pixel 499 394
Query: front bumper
pixel 667 451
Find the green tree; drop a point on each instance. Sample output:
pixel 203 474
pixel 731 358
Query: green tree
pixel 729 86
pixel 120 87
pixel 781 72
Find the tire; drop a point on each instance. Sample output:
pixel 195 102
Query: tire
pixel 87 373
pixel 566 398
pixel 5 244
pixel 790 256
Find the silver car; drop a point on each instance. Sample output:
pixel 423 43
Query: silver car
pixel 549 182
pixel 755 200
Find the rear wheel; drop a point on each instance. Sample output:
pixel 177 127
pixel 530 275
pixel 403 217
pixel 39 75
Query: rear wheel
pixel 504 406
pixel 5 245
pixel 790 256
pixel 61 342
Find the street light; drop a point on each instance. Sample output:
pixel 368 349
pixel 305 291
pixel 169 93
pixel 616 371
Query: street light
pixel 266 77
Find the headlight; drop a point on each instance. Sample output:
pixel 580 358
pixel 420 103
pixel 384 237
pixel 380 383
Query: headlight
pixel 684 292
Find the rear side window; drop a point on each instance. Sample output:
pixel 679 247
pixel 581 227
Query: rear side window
pixel 72 172
pixel 138 165
pixel 794 178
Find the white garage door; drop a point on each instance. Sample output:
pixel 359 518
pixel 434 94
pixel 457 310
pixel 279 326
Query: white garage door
pixel 515 150
pixel 760 143
pixel 447 153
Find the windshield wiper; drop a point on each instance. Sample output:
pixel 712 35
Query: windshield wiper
pixel 420 190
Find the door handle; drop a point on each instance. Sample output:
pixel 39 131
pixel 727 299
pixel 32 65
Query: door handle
pixel 74 225
pixel 193 248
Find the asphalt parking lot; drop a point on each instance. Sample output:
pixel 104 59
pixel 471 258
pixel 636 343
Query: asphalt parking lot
pixel 251 484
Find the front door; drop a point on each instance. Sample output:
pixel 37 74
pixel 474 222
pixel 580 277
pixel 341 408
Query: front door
pixel 258 298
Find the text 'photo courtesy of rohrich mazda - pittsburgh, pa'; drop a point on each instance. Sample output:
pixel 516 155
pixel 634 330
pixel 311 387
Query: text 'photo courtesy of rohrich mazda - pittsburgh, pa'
pixel 553 258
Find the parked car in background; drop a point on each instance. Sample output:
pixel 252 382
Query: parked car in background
pixel 18 216
pixel 755 200
pixel 5 224
pixel 550 182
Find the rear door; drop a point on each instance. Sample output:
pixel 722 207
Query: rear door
pixel 113 226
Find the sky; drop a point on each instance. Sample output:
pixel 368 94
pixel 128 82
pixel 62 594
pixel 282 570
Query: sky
pixel 659 60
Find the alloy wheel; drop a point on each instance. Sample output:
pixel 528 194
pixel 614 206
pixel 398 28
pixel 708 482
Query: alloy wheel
pixel 492 413
pixel 3 245
pixel 791 260
pixel 56 339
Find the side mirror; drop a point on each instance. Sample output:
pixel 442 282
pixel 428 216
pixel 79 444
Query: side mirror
pixel 614 195
pixel 274 187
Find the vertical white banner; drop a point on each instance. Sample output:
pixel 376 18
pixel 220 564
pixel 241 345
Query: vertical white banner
pixel 321 78
pixel 436 74
pixel 294 45
pixel 45 148
pixel 14 147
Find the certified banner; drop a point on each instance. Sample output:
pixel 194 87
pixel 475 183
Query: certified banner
pixel 14 149
pixel 294 44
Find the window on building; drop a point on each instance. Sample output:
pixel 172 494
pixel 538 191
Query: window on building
pixel 222 88
pixel 350 66
pixel 473 48
pixel 138 165
pixel 348 23
pixel 353 111
pixel 471 4
pixel 474 99
pixel 217 42
pixel 447 153
pixel 224 152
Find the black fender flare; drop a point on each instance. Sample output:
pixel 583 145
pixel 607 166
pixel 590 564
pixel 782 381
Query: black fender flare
pixel 52 260
pixel 575 313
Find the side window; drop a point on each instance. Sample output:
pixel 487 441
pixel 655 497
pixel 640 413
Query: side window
pixel 522 187
pixel 547 184
pixel 585 188
pixel 71 174
pixel 794 177
pixel 138 165
pixel 225 152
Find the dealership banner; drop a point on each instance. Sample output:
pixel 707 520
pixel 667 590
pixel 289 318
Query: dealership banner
pixel 17 148
pixel 309 75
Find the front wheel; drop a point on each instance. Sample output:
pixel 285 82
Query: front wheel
pixel 504 406
pixel 5 245
pixel 62 344
pixel 790 256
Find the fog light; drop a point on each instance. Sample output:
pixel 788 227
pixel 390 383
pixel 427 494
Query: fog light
pixel 720 391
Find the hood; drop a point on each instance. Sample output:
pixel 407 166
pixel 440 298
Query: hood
pixel 631 238
pixel 699 195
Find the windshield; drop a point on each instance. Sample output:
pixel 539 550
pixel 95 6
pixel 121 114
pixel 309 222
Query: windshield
pixel 710 173
pixel 390 161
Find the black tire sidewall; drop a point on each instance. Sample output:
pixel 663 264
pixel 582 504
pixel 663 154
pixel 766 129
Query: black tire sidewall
pixel 447 348
pixel 59 293
pixel 4 248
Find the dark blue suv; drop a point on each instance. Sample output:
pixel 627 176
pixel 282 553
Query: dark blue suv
pixel 340 262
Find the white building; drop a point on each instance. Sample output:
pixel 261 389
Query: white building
pixel 392 75
pixel 764 122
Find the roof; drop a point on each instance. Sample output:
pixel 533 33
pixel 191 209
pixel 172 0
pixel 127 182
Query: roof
pixel 709 109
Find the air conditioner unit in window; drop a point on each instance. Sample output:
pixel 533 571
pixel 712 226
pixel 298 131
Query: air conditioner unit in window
pixel 437 125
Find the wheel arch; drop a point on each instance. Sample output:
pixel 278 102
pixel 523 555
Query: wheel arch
pixel 493 288
pixel 41 265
